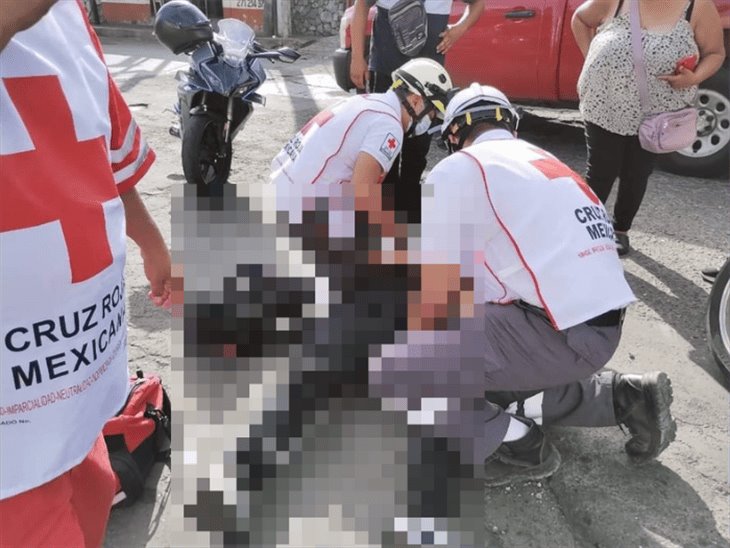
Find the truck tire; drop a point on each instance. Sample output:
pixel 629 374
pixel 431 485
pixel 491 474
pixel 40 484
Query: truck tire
pixel 709 155
pixel 718 319
pixel 203 164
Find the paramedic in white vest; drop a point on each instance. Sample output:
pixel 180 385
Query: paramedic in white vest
pixel 344 152
pixel 70 157
pixel 538 245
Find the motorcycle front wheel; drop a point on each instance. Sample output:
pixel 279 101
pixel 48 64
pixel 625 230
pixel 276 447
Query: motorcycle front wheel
pixel 205 162
pixel 718 319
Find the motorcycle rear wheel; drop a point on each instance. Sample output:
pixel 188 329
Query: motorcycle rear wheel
pixel 204 164
pixel 718 319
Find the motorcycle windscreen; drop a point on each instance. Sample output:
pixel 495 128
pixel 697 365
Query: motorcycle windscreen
pixel 236 38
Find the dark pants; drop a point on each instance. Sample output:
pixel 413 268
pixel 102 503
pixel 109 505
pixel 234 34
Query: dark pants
pixel 511 355
pixel 402 185
pixel 610 156
pixel 558 370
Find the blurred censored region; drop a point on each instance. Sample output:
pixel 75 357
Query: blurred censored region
pixel 308 414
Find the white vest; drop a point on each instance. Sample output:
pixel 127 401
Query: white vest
pixel 63 353
pixel 319 160
pixel 542 235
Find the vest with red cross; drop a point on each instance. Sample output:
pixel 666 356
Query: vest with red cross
pixel 524 226
pixel 68 148
pixel 318 161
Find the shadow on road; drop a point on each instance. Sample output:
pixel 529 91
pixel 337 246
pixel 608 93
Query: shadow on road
pixel 145 60
pixel 296 92
pixel 543 131
pixel 135 70
pixel 609 502
pixel 683 308
pixel 137 524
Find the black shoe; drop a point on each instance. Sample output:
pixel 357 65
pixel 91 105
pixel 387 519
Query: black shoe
pixel 641 403
pixel 709 274
pixel 622 243
pixel 531 457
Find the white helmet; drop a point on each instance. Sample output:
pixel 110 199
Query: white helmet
pixel 424 77
pixel 474 104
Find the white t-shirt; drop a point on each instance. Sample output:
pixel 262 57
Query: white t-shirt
pixel 68 147
pixel 319 160
pixel 525 226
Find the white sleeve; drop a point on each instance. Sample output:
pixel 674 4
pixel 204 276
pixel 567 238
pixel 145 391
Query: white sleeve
pixel 382 139
pixel 453 220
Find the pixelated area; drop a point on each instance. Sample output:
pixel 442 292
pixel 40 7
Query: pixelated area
pixel 307 415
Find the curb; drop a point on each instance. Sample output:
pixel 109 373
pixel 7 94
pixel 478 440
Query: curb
pixel 144 32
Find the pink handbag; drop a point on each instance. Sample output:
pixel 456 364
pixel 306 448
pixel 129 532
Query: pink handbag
pixel 667 131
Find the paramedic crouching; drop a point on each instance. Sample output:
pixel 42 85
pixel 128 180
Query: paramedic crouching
pixel 538 245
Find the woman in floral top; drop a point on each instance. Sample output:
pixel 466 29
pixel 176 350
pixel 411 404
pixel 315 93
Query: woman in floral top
pixel 609 95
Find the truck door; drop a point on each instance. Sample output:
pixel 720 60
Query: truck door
pixel 508 47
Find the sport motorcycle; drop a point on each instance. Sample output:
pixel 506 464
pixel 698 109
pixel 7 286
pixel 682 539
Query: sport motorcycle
pixel 216 95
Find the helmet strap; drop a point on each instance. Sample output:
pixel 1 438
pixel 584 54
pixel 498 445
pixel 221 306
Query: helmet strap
pixel 462 134
pixel 415 118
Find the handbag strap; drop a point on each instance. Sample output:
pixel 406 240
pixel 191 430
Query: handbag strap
pixel 638 51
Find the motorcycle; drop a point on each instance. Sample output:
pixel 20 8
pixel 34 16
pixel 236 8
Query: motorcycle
pixel 718 319
pixel 217 93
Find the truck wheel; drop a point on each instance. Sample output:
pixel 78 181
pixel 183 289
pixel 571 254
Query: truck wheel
pixel 203 162
pixel 718 319
pixel 709 155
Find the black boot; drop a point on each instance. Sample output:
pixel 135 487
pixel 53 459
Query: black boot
pixel 641 403
pixel 531 457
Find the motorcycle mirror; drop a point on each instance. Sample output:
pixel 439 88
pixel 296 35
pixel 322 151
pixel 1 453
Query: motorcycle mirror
pixel 288 55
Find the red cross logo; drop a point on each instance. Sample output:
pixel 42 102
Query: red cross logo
pixel 392 143
pixel 320 119
pixel 554 169
pixel 62 179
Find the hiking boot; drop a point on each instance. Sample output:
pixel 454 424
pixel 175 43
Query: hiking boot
pixel 622 243
pixel 531 457
pixel 641 403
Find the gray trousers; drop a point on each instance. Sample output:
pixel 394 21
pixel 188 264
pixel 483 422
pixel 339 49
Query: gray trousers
pixel 548 375
pixel 512 357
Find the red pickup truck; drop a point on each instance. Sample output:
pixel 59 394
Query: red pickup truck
pixel 526 49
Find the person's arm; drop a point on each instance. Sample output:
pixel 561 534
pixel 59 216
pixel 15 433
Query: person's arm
pixel 451 221
pixel 358 27
pixel 366 178
pixel 443 294
pixel 587 18
pixel 141 228
pixel 19 15
pixel 453 33
pixel 708 35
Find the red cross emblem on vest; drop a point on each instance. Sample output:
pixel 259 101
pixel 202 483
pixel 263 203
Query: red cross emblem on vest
pixel 555 169
pixel 62 179
pixel 392 143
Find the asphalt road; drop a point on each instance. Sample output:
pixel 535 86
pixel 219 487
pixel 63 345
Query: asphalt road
pixel 597 499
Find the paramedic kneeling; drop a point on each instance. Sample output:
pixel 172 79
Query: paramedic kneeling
pixel 539 247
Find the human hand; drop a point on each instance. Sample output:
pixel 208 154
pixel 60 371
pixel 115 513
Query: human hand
pixel 359 72
pixel 449 37
pixel 683 79
pixel 158 270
